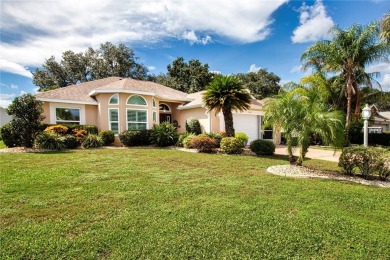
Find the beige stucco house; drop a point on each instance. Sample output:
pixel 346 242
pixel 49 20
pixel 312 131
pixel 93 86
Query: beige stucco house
pixel 120 104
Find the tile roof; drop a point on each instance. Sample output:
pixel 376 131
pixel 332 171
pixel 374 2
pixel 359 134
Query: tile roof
pixel 84 92
pixel 130 85
pixel 79 92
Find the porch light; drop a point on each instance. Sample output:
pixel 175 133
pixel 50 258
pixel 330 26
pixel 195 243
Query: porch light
pixel 366 114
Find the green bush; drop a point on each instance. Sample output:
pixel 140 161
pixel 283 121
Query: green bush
pixel 365 160
pixel 70 141
pixel 49 141
pixel 107 136
pixel 203 144
pixel 164 134
pixel 181 138
pixel 231 145
pixel 187 142
pixel 243 137
pixel 217 137
pixel 193 126
pixel 10 138
pixel 92 141
pixel 262 147
pixel 135 137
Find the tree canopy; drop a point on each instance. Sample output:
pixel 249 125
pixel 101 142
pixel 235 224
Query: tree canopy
pixel 187 77
pixel 262 84
pixel 107 61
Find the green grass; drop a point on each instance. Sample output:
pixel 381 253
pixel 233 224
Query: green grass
pixel 2 145
pixel 155 203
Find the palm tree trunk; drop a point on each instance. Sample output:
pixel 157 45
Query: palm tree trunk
pixel 357 107
pixel 349 104
pixel 291 156
pixel 228 117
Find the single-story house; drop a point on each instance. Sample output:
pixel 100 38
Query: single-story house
pixel 380 119
pixel 4 117
pixel 120 104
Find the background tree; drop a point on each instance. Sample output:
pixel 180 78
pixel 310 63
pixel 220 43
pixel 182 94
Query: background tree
pixel 347 55
pixel 226 93
pixel 385 27
pixel 261 84
pixel 107 61
pixel 26 118
pixel 187 77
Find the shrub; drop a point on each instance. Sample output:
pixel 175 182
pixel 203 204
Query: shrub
pixel 107 136
pixel 243 137
pixel 49 141
pixel 367 160
pixel 57 129
pixel 181 138
pixel 135 137
pixel 187 142
pixel 193 126
pixel 69 141
pixel 217 137
pixel 92 141
pixel 231 145
pixel 203 144
pixel 10 138
pixel 91 129
pixel 262 147
pixel 164 134
pixel 80 134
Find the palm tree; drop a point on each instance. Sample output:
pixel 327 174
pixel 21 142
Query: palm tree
pixel 385 28
pixel 226 93
pixel 301 113
pixel 347 55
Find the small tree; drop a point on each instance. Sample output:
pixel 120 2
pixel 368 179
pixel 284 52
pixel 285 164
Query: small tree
pixel 26 118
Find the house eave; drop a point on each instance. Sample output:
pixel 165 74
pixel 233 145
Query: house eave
pixel 163 98
pixel 68 101
pixel 181 107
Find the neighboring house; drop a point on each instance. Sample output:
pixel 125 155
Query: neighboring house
pixel 4 117
pixel 380 119
pixel 120 104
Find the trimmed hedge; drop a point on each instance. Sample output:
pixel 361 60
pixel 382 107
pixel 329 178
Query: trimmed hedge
pixel 366 160
pixel 203 144
pixel 231 145
pixel 107 136
pixel 91 129
pixel 10 139
pixel 135 137
pixel 262 147
pixel 243 137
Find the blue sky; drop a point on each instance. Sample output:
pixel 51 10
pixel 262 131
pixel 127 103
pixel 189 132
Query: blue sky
pixel 231 36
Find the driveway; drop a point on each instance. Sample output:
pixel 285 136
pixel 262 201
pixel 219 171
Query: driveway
pixel 313 153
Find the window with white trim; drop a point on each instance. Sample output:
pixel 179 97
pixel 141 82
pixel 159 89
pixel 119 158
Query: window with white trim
pixel 136 100
pixel 67 115
pixel 114 100
pixel 113 118
pixel 154 102
pixel 155 117
pixel 164 108
pixel 137 119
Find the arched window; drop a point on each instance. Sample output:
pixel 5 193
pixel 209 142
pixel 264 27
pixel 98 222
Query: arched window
pixel 164 108
pixel 114 100
pixel 136 100
pixel 154 102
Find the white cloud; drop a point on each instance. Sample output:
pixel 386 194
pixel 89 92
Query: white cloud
pixel 22 92
pixel 216 72
pixel 314 24
pixel 297 68
pixel 14 68
pixel 56 26
pixel 13 86
pixel 254 68
pixel 151 68
pixel 384 69
pixel 6 99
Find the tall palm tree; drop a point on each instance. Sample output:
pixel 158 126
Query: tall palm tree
pixel 348 54
pixel 385 27
pixel 301 113
pixel 226 93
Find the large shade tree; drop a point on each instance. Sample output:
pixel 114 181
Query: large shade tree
pixel 347 55
pixel 226 93
pixel 262 84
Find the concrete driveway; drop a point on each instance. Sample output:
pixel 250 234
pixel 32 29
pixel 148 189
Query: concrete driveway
pixel 313 153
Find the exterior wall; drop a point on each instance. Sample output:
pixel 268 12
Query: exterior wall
pixel 4 117
pixel 91 115
pixel 198 113
pixel 46 112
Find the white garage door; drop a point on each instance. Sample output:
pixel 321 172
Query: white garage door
pixel 248 124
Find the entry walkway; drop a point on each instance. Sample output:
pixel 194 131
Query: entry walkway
pixel 313 153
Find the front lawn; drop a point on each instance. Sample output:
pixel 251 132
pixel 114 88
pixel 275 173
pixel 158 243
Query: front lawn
pixel 158 203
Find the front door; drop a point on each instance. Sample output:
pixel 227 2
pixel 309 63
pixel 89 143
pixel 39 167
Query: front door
pixel 165 118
